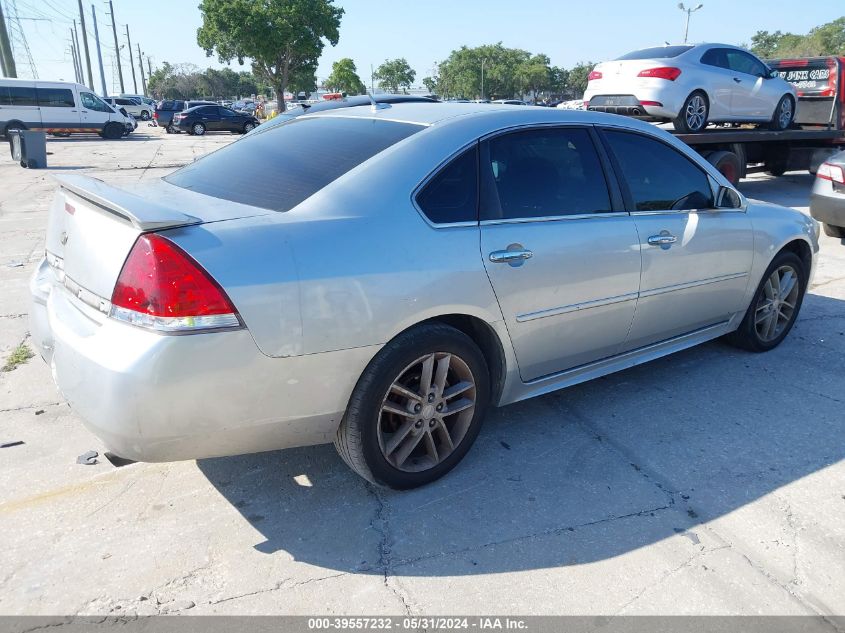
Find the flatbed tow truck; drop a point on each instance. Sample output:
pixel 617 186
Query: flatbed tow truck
pixel 817 133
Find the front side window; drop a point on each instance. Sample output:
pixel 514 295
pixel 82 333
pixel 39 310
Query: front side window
pixel 542 173
pixel 93 102
pixel 658 177
pixel 55 98
pixel 742 62
pixel 452 195
pixel 280 153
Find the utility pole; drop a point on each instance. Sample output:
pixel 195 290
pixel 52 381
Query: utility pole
pixel 85 45
pixel 149 67
pixel 78 60
pixel 131 63
pixel 141 66
pixel 7 58
pixel 116 47
pixel 99 52
pixel 73 58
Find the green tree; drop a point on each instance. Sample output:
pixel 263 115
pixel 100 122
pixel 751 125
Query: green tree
pixel 430 84
pixel 559 84
pixel 460 73
pixel 394 74
pixel 344 78
pixel 283 38
pixel 535 75
pixel 827 39
pixel 578 78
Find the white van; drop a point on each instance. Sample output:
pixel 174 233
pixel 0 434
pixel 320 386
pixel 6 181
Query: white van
pixel 58 107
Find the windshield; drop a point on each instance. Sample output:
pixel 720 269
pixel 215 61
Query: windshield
pixel 284 155
pixel 659 52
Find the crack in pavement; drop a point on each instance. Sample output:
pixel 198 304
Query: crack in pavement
pixel 280 585
pixel 381 524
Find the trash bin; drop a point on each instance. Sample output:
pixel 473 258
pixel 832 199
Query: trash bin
pixel 29 148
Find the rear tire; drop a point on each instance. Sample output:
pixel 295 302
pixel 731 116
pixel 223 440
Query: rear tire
pixel 197 129
pixel 693 115
pixel 784 114
pixel 728 165
pixel 13 125
pixel 774 308
pixel 834 231
pixel 416 440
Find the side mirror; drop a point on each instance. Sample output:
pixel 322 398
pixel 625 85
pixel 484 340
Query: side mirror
pixel 728 198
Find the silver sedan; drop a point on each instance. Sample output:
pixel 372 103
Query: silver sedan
pixel 434 260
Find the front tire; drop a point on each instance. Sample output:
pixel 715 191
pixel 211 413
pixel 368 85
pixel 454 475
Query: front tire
pixel 416 409
pixel 783 115
pixel 145 115
pixel 113 131
pixel 693 115
pixel 248 127
pixel 775 305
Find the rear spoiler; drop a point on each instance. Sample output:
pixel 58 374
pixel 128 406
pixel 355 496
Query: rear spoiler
pixel 142 213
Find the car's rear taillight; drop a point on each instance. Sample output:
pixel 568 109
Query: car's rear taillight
pixel 664 72
pixel 594 75
pixel 834 173
pixel 155 114
pixel 162 288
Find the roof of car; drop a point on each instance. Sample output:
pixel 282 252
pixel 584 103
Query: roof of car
pixel 434 113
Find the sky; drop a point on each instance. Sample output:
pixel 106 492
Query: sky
pixel 422 31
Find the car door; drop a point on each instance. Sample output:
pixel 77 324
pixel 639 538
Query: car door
pixel 561 254
pixel 695 258
pixel 58 108
pixel 230 120
pixel 95 112
pixel 209 116
pixel 718 80
pixel 751 97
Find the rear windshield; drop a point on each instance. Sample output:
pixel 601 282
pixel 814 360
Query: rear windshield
pixel 659 52
pixel 279 167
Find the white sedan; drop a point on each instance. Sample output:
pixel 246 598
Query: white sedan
pixel 692 86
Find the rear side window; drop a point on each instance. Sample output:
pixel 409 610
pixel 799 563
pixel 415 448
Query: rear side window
pixel 452 195
pixel 55 98
pixel 542 173
pixel 18 96
pixel 659 52
pixel 659 178
pixel 715 57
pixel 282 154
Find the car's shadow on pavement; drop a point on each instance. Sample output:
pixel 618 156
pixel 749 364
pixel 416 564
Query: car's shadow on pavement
pixel 576 476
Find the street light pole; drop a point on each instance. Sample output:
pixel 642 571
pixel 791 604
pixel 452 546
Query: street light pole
pixel 688 12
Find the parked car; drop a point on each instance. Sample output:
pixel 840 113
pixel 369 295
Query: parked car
pixel 827 201
pixel 509 102
pixel 692 86
pixel 435 260
pixel 213 118
pixel 346 102
pixel 169 107
pixel 140 100
pixel 57 107
pixel 139 111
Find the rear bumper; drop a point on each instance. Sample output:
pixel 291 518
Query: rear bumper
pixel 151 397
pixel 670 98
pixel 829 209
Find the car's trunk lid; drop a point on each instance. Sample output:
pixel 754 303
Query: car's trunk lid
pixel 93 225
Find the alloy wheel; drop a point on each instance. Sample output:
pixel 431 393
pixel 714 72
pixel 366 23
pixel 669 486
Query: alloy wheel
pixel 785 113
pixel 696 113
pixel 776 306
pixel 199 130
pixel 426 412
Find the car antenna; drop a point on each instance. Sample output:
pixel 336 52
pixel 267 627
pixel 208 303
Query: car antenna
pixel 375 105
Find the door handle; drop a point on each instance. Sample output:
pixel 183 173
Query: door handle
pixel 738 80
pixel 662 240
pixel 504 257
